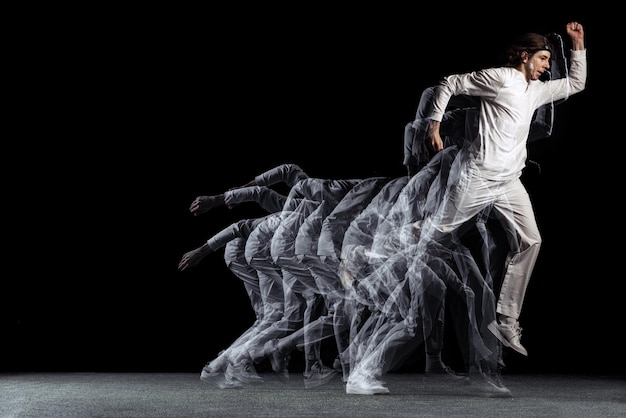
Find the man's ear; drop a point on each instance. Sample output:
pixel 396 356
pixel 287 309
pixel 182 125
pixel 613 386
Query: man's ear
pixel 524 56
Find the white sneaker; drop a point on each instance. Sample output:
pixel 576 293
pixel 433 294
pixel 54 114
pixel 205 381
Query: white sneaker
pixel 484 385
pixel 243 372
pixel 364 385
pixel 509 335
pixel 318 375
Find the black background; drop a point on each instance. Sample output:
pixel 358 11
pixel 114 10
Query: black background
pixel 122 118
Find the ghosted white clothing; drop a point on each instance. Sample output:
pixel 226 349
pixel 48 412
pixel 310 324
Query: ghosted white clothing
pixel 487 171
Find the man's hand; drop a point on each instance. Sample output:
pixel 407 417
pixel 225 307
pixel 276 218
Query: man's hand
pixel 193 257
pixel 435 141
pixel 202 204
pixel 577 35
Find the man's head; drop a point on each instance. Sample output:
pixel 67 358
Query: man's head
pixel 530 53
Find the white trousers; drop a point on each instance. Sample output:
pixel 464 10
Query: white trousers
pixel 470 194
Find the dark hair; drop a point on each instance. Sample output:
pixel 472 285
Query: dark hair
pixel 528 42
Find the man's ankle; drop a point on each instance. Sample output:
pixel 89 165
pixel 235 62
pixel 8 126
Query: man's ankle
pixel 506 320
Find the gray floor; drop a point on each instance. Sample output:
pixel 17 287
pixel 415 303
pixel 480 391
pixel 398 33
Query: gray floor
pixel 184 395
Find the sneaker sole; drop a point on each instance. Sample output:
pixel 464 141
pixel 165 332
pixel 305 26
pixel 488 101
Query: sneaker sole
pixel 444 378
pixel 218 380
pixel 248 379
pixel 231 385
pixel 492 392
pixel 355 390
pixel 486 389
pixel 358 391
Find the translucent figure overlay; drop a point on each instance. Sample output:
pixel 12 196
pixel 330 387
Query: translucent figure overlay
pixel 376 265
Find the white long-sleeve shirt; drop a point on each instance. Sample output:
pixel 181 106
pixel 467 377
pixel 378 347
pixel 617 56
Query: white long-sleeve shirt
pixel 508 103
